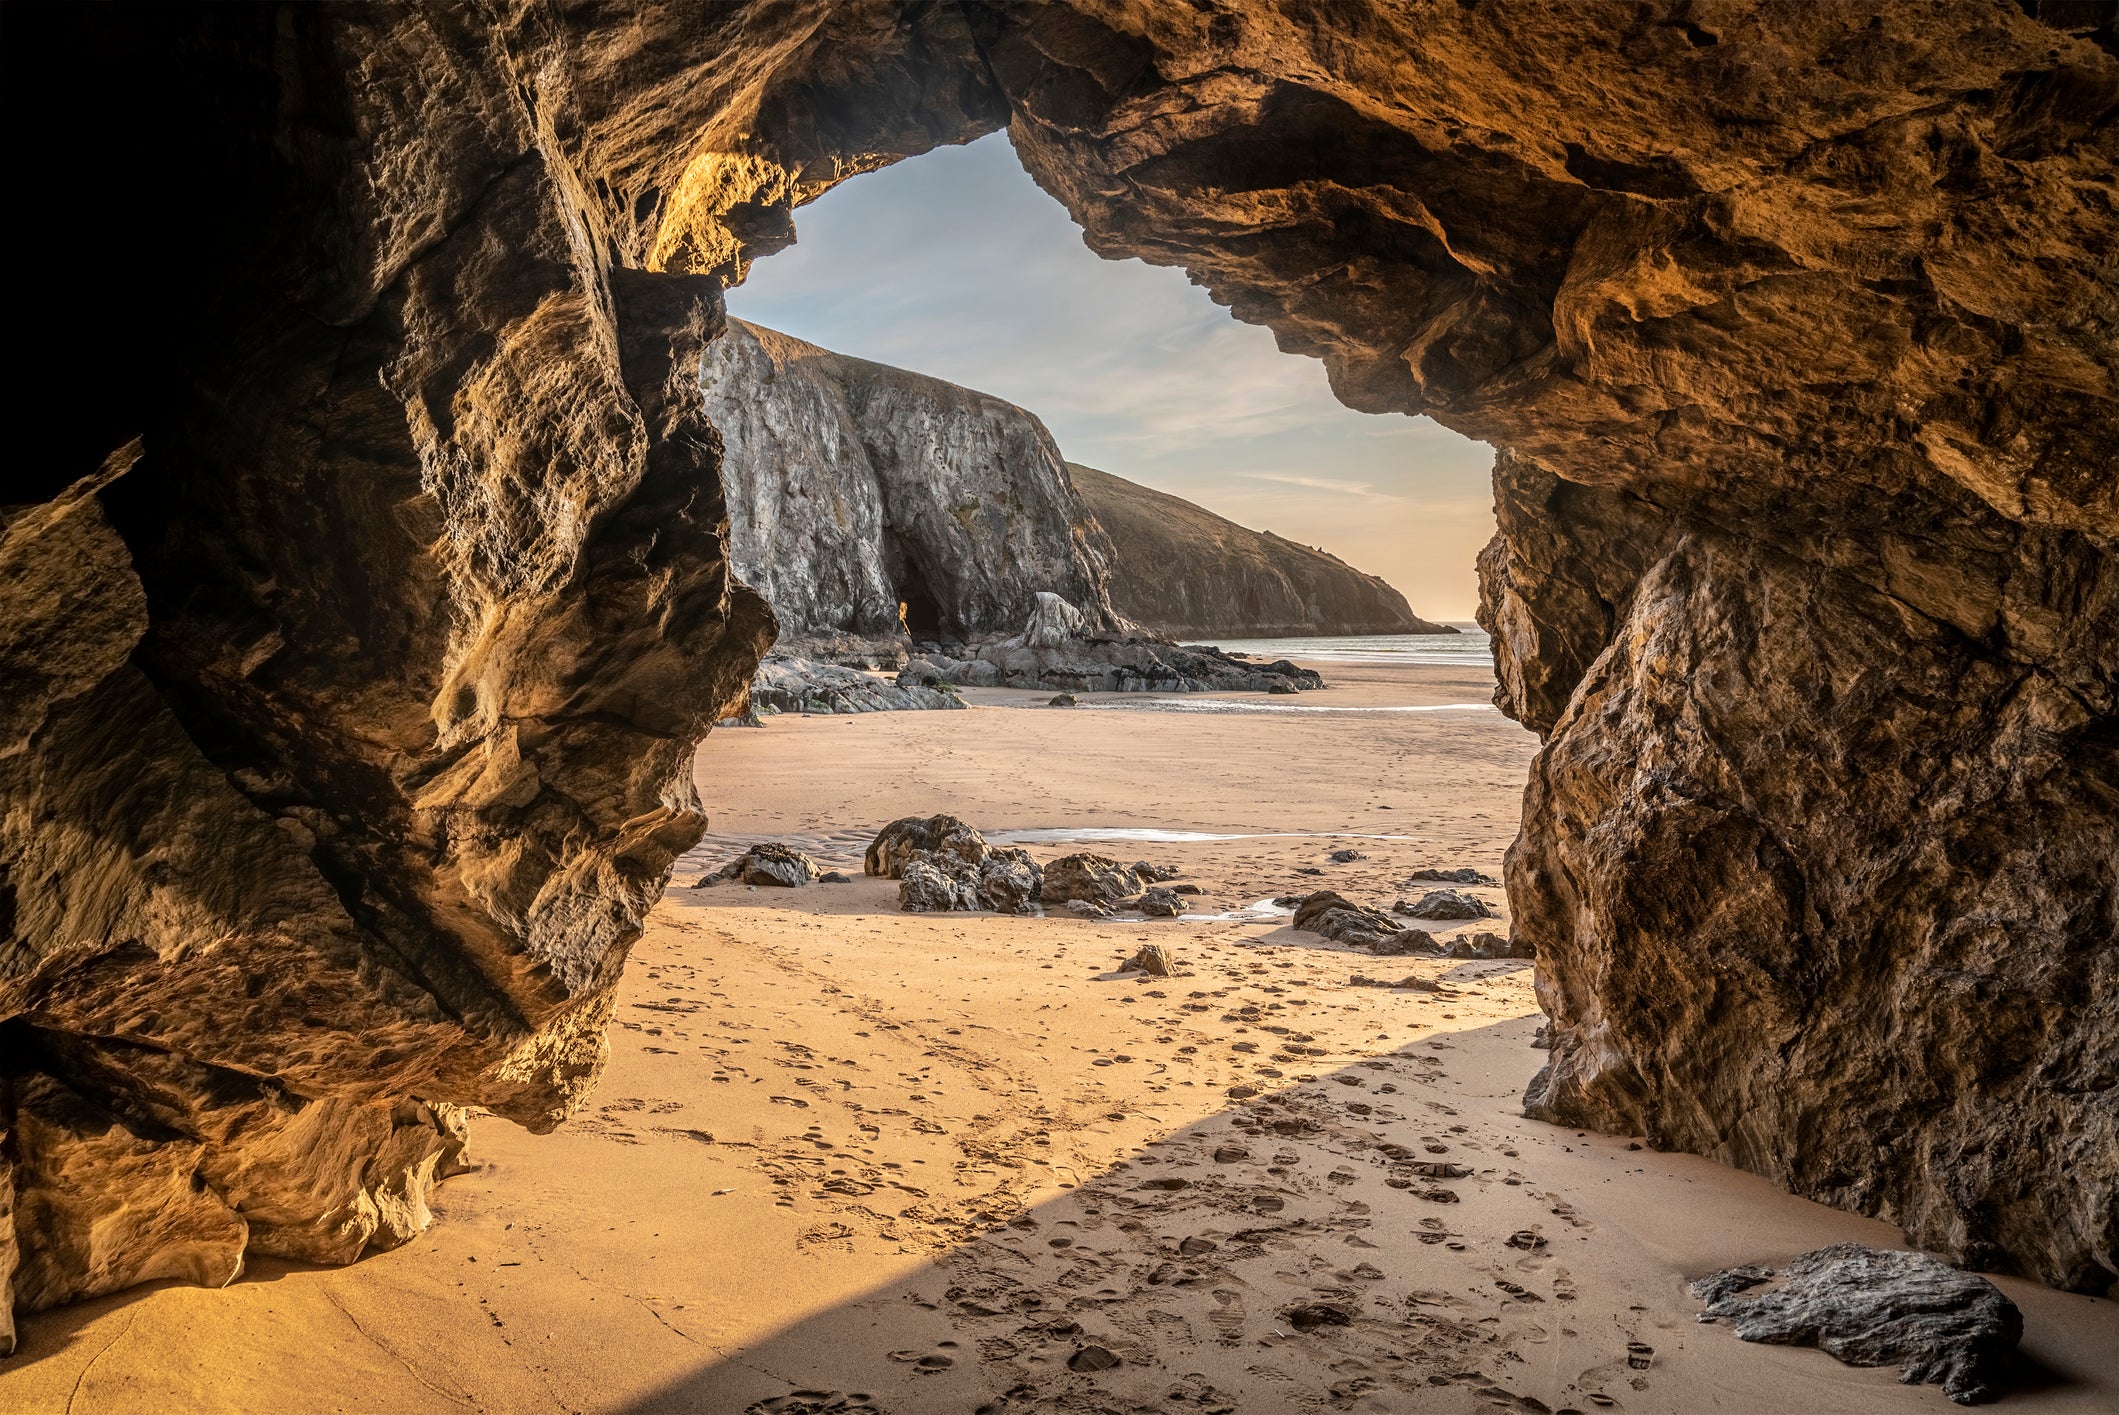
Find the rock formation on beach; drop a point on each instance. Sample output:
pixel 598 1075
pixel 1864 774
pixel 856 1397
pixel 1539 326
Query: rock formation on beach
pixel 1183 571
pixel 349 732
pixel 866 500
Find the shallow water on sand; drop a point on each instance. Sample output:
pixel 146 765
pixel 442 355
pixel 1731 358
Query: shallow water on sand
pixel 1467 648
pixel 1145 703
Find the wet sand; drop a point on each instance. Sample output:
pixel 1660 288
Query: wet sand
pixel 845 1158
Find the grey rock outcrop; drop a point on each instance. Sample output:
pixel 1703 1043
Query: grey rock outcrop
pixel 1185 572
pixel 1131 665
pixel 1009 882
pixel 855 488
pixel 1877 1307
pixel 1159 903
pixel 788 684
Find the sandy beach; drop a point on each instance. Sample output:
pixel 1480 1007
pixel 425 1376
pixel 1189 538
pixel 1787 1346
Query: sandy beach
pixel 848 1159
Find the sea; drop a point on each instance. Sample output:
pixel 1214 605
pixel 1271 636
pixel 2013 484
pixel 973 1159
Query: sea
pixel 1467 649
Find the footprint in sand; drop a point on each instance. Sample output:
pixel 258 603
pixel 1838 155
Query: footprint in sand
pixel 1228 1316
pixel 815 1402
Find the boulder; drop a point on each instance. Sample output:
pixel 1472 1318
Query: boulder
pixel 1877 1307
pixel 1009 881
pixel 1092 878
pixel 924 889
pixel 944 841
pixel 1444 904
pixel 1152 960
pixel 1440 876
pixel 1333 916
pixel 1159 904
pixel 769 863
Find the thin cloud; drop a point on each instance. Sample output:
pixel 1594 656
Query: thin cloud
pixel 1366 491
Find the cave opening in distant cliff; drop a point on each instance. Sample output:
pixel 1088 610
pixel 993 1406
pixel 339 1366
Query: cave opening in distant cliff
pixel 919 611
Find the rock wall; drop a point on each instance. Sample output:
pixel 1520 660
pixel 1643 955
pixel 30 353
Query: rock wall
pixel 1797 323
pixel 348 731
pixel 1183 571
pixel 855 488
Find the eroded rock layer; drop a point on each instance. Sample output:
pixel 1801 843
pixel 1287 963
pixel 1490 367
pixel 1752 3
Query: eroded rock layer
pixel 348 732
pixel 1181 570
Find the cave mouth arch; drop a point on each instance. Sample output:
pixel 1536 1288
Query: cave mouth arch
pixel 1121 366
pixel 389 451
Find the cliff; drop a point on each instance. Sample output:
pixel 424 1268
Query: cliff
pixel 1183 571
pixel 351 730
pixel 854 488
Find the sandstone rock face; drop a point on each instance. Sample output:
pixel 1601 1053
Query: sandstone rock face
pixel 1185 572
pixel 348 734
pixel 855 488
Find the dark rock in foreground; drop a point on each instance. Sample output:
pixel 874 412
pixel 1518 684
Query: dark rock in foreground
pixel 1159 903
pixel 924 889
pixel 1877 1307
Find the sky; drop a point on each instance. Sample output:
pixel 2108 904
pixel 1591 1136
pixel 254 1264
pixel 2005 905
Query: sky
pixel 955 265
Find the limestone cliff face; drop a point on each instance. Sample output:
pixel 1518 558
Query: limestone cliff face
pixel 854 488
pixel 348 734
pixel 1183 571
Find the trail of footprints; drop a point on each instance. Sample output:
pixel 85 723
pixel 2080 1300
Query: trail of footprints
pixel 1228 1238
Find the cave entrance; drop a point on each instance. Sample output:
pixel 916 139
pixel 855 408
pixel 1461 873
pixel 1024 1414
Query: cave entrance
pixel 919 612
